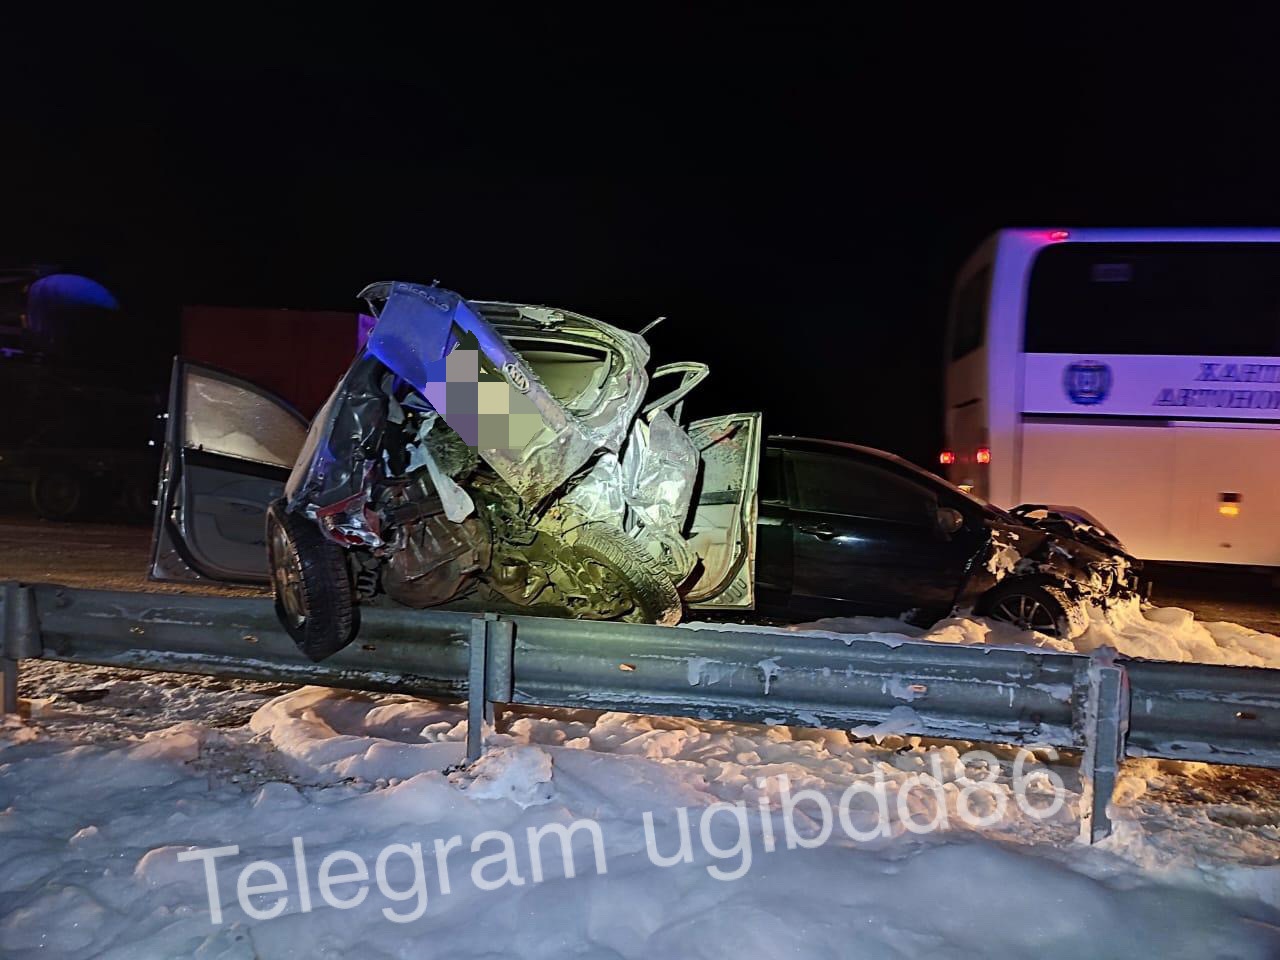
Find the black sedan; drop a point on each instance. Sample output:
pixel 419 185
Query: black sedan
pixel 845 529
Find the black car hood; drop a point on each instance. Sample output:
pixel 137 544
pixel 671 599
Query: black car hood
pixel 1070 523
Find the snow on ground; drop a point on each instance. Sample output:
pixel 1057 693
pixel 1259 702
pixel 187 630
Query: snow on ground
pixel 116 774
pixel 1135 630
pixel 96 809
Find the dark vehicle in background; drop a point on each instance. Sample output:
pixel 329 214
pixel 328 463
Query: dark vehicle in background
pixel 845 529
pixel 78 432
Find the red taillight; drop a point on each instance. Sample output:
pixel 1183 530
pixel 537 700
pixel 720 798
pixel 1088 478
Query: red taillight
pixel 946 458
pixel 1059 235
pixel 983 455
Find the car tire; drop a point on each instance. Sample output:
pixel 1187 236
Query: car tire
pixel 1044 607
pixel 651 589
pixel 315 600
pixel 59 495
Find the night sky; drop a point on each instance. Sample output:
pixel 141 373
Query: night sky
pixel 793 191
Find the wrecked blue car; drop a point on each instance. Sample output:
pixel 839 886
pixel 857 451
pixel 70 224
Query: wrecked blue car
pixel 488 454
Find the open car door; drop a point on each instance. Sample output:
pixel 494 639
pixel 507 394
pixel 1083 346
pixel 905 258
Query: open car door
pixel 723 531
pixel 228 449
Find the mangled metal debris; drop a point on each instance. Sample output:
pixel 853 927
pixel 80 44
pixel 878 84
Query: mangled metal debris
pixel 508 450
pixel 1063 550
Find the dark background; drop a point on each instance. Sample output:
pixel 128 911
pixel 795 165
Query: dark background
pixel 794 190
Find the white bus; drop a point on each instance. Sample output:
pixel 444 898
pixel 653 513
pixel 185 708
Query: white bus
pixel 1132 373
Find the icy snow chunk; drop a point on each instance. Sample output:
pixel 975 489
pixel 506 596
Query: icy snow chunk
pixel 519 774
pixel 278 796
pixel 1003 561
pixel 161 868
pixel 179 743
pixel 87 834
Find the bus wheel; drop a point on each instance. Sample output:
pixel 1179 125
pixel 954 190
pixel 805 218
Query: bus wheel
pixel 1042 607
pixel 59 494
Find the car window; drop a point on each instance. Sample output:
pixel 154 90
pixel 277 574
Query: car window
pixel 844 485
pixel 969 314
pixel 1194 299
pixel 769 486
pixel 226 417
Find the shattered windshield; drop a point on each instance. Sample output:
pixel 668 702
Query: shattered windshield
pixel 573 373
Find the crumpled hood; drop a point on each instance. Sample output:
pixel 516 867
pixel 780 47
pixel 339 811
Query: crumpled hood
pixel 1071 523
pixel 484 390
pixel 445 348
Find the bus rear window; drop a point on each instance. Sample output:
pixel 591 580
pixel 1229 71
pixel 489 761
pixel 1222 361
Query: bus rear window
pixel 1198 299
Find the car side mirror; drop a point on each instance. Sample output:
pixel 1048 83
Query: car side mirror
pixel 950 520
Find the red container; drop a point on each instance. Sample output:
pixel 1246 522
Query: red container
pixel 298 354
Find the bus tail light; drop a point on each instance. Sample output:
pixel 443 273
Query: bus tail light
pixel 983 455
pixel 947 458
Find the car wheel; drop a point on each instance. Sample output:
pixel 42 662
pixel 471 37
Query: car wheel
pixel 649 586
pixel 312 581
pixel 59 495
pixel 1042 607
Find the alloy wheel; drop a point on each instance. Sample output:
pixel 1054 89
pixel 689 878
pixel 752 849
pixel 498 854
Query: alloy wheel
pixel 287 573
pixel 1026 613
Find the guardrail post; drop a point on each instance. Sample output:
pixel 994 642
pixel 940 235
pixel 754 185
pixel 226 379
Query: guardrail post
pixel 489 676
pixel 9 686
pixel 1106 725
pixel 499 667
pixel 19 638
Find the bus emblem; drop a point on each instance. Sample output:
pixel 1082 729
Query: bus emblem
pixel 1087 383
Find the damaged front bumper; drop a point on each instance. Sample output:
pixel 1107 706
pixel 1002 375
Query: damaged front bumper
pixel 1063 547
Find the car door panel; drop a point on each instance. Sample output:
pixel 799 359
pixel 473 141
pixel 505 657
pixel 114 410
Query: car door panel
pixel 224 508
pixel 865 540
pixel 228 449
pixel 874 566
pixel 723 528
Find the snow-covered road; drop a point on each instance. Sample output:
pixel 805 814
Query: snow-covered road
pixel 116 774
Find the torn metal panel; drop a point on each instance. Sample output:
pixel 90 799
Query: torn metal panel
pixel 493 397
pixel 330 480
pixel 659 469
pixel 599 494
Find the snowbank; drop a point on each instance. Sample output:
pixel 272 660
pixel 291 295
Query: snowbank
pixel 1155 633
pixel 91 838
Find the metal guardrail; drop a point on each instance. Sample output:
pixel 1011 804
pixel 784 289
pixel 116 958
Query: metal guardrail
pixel 1106 707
